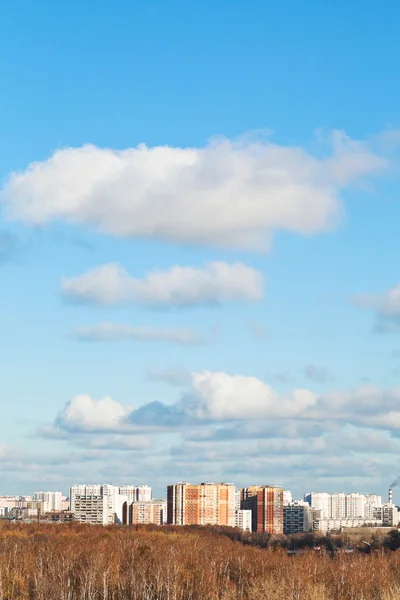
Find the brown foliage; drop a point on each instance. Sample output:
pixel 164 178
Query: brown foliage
pixel 79 562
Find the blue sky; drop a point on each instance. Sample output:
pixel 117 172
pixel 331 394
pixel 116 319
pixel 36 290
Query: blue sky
pixel 266 203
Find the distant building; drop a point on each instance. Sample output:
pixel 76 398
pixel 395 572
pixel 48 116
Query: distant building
pixel 287 497
pixel 325 526
pixel 390 515
pixel 203 504
pixel 341 506
pixel 9 501
pixel 237 499
pixel 91 498
pixel 319 501
pixel 52 501
pixel 297 517
pixel 136 493
pixel 243 519
pixel 92 509
pixel 152 511
pixel 266 504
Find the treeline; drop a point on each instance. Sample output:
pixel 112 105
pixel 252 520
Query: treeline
pixel 80 562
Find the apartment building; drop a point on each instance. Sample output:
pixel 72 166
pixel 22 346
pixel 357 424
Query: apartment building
pixel 243 520
pixel 266 504
pixel 204 504
pixel 90 496
pixel 52 501
pixel 92 509
pixel 319 501
pixel 152 511
pixel 297 517
pixel 136 493
pixel 341 506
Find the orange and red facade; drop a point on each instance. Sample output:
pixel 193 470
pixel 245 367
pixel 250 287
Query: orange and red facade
pixel 266 504
pixel 203 504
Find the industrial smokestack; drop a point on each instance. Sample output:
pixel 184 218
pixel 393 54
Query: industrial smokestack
pixel 390 496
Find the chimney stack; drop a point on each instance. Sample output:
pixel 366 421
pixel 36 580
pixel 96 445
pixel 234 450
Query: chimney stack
pixel 390 496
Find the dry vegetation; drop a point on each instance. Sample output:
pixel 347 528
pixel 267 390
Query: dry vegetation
pixel 73 562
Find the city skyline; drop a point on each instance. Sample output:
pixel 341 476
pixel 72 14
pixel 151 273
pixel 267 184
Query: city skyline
pixel 198 230
pixel 257 508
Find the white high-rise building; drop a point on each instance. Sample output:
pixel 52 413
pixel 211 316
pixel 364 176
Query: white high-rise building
pixel 237 499
pixel 373 499
pixel 88 496
pixel 243 520
pixel 92 509
pixel 52 501
pixel 320 501
pixel 338 506
pixel 83 490
pixel 355 506
pixel 287 497
pixel 136 493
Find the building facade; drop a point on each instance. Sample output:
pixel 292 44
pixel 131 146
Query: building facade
pixel 243 520
pixel 153 511
pixel 266 504
pixel 89 496
pixel 297 517
pixel 136 493
pixel 203 504
pixel 52 501
pixel 92 509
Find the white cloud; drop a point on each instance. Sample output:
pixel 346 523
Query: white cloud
pixel 220 396
pixel 231 407
pixel 229 193
pixel 86 413
pixel 111 332
pixel 217 282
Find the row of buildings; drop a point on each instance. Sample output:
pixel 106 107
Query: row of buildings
pixel 256 508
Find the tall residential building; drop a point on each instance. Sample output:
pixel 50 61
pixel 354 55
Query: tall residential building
pixel 390 515
pixel 83 490
pixel 152 511
pixel 52 501
pixel 297 517
pixel 237 499
pixel 355 506
pixel 287 497
pixel 84 493
pixel 243 519
pixel 320 501
pixel 338 506
pixel 204 504
pixel 92 509
pixel 342 506
pixel 266 504
pixel 136 493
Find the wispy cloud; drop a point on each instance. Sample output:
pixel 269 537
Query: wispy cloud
pixel 216 282
pixel 114 332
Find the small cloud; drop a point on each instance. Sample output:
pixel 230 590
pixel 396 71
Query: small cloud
pixel 114 332
pixel 215 283
pixel 318 374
